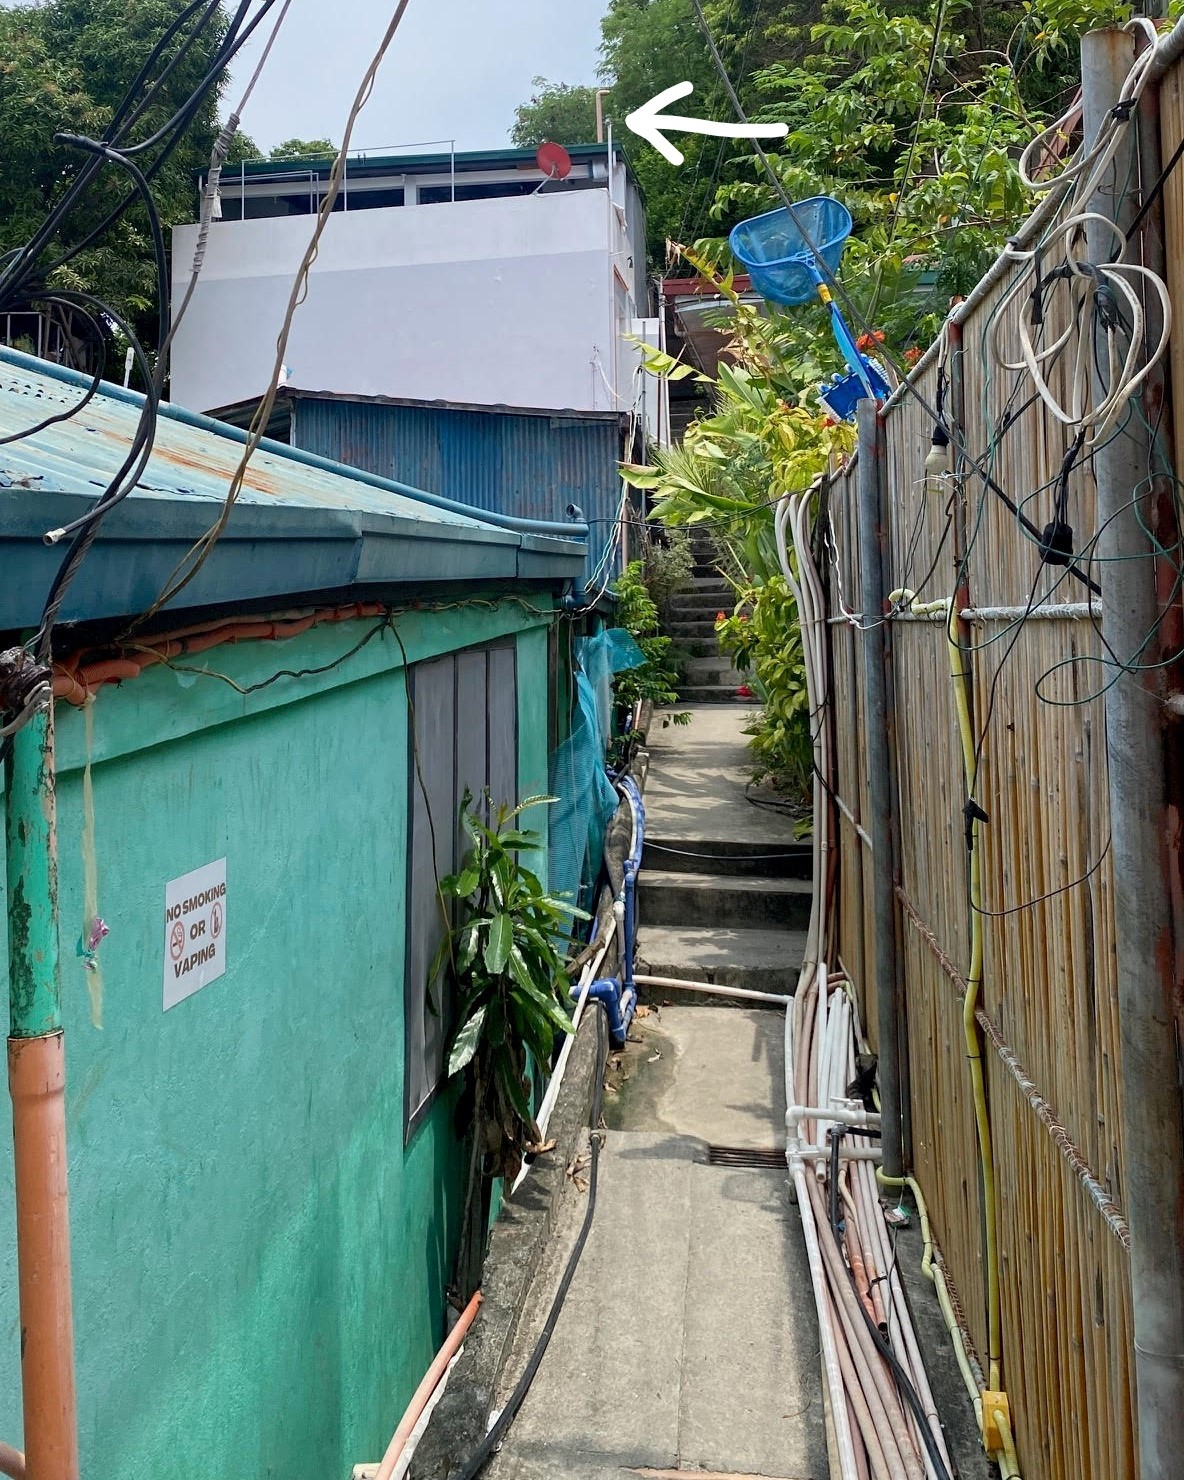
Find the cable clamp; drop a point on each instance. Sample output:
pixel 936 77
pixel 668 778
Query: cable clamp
pixel 1123 109
pixel 1057 546
pixel 995 1407
pixel 25 687
pixel 972 813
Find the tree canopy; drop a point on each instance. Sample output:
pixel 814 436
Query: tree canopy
pixel 562 112
pixel 304 149
pixel 64 67
pixel 911 111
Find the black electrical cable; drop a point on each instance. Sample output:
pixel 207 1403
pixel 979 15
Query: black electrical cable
pixel 91 391
pixel 86 528
pixel 1156 190
pixel 160 256
pixel 902 1379
pixel 26 255
pixel 222 58
pixel 484 1451
pixel 129 114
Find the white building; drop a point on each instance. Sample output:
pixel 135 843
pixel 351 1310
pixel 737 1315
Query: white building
pixel 472 279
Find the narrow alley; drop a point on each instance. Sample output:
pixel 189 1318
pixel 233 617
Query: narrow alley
pixel 688 1340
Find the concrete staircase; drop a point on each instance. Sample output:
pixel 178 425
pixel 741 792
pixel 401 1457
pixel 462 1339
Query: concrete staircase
pixel 709 677
pixel 724 891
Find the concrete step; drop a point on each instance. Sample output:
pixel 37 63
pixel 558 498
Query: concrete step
pixel 668 898
pixel 716 694
pixel 760 960
pixel 698 647
pixel 716 670
pixel 683 627
pixel 712 694
pixel 742 859
pixel 712 601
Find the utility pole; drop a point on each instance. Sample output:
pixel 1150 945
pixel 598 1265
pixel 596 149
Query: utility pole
pixel 37 1075
pixel 879 784
pixel 1152 1125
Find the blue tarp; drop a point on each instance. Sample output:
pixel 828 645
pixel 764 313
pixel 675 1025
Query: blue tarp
pixel 587 799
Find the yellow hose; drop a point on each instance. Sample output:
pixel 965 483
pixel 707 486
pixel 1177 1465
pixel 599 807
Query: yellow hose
pixel 937 1277
pixel 960 678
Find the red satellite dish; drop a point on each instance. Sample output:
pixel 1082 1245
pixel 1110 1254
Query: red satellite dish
pixel 554 161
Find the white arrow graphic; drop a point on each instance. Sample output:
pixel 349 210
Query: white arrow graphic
pixel 648 122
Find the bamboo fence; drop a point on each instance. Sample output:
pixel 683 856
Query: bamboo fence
pixel 1048 1012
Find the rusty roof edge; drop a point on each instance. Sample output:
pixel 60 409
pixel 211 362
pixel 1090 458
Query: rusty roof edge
pixel 568 533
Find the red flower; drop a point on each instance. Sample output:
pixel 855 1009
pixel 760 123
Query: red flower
pixel 720 617
pixel 744 692
pixel 912 355
pixel 869 341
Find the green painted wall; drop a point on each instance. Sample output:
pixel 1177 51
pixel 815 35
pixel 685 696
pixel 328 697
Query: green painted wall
pixel 259 1263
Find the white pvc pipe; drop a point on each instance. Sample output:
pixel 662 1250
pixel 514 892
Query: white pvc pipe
pixel 745 994
pixel 841 1111
pixel 832 1371
pixel 551 1094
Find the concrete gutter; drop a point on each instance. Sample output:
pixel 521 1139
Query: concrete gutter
pixel 516 1247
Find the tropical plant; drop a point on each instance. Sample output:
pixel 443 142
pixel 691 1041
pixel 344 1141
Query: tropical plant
pixel 766 436
pixel 503 955
pixel 764 638
pixel 657 678
pixel 668 565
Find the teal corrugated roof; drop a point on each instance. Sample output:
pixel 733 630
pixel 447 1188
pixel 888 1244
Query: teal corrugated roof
pixel 397 534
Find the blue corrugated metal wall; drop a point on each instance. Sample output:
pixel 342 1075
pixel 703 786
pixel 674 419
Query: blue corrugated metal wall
pixel 532 466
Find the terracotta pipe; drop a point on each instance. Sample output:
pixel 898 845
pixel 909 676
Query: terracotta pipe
pixel 12 1462
pixel 431 1380
pixel 76 682
pixel 37 1081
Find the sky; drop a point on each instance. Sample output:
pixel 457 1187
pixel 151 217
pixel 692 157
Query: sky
pixel 456 69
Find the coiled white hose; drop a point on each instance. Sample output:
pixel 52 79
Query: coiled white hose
pixel 1098 291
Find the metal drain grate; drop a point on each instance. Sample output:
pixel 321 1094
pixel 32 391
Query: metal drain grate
pixel 746 1156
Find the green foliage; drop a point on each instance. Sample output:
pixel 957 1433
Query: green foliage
pixel 764 638
pixel 502 956
pixel 668 567
pixel 558 111
pixel 657 678
pixel 64 65
pixel 766 436
pixel 305 149
pixel 848 76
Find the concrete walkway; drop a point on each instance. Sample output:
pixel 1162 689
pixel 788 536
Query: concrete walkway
pixel 688 1341
pixel 725 889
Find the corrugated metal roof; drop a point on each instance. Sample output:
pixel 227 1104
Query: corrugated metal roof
pixel 81 455
pixel 301 524
pixel 528 466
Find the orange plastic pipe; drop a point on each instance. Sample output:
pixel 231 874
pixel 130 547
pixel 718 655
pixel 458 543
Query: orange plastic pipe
pixel 431 1381
pixel 77 682
pixel 37 1080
